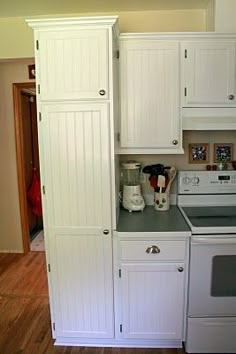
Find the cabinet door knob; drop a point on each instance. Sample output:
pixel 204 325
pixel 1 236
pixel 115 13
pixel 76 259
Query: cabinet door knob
pixel 153 249
pixel 231 97
pixel 175 142
pixel 180 269
pixel 105 232
pixel 102 92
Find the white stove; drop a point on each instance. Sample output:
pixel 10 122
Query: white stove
pixel 207 200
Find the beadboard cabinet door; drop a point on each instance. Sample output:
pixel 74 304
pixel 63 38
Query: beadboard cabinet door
pixel 153 301
pixel 209 74
pixel 75 144
pixel 73 64
pixel 149 89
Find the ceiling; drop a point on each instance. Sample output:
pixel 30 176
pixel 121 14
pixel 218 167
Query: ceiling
pixel 25 8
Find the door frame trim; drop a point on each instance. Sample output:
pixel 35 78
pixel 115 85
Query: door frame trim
pixel 17 88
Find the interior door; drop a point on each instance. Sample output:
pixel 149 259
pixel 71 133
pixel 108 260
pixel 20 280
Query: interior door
pixel 29 130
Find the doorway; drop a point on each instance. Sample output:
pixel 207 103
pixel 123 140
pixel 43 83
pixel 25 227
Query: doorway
pixel 27 155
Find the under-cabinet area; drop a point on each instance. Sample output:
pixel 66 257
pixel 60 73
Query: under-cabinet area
pixel 120 278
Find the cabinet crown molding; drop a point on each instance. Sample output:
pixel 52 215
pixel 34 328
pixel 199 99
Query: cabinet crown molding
pixel 178 35
pixel 42 23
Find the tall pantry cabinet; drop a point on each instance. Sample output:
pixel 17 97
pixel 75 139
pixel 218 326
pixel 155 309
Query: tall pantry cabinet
pixel 76 66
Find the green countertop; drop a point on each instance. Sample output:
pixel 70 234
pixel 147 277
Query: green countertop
pixel 150 220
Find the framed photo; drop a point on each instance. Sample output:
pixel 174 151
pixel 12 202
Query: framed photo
pixel 199 153
pixel 31 71
pixel 223 152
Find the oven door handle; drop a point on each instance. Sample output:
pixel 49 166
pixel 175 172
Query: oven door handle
pixel 213 240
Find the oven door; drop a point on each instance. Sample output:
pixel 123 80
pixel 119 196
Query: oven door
pixel 212 290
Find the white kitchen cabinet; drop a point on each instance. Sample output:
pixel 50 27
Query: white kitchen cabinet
pixel 150 119
pixel 152 287
pixel 76 158
pixel 209 74
pixel 153 300
pixel 82 283
pixel 74 59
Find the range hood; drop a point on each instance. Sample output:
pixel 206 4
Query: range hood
pixel 208 118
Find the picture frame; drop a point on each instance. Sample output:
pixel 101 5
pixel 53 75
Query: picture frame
pixel 31 71
pixel 223 152
pixel 198 153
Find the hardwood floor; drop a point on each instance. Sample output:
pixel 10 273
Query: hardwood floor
pixel 24 311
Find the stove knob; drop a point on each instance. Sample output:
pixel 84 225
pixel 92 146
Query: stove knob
pixel 195 180
pixel 186 180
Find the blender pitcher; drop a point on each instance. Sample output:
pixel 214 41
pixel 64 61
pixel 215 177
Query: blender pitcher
pixel 132 199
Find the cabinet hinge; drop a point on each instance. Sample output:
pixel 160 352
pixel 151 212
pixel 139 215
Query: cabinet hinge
pixel 40 116
pixel 118 137
pixel 119 273
pixel 54 326
pixel 38 89
pixel 43 189
pixel 49 267
pixel 37 44
pixel 121 328
pixel 185 53
pixel 117 54
pixel 185 91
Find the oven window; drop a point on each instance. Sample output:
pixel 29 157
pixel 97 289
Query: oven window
pixel 223 276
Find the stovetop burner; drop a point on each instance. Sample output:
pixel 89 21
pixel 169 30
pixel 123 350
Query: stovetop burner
pixel 211 216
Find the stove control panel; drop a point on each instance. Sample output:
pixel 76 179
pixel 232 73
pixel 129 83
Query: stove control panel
pixel 206 182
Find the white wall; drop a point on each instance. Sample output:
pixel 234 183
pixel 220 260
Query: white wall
pixel 225 16
pixel 16 37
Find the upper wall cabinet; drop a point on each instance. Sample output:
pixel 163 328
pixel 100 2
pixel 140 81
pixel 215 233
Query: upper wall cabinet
pixel 149 95
pixel 81 54
pixel 208 68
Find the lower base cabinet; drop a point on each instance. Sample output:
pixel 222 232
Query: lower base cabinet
pixel 153 300
pixel 151 288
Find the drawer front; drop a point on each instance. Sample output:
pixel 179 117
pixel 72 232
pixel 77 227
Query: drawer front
pixel 153 250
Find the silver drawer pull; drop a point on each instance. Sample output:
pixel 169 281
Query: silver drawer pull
pixel 102 92
pixel 153 249
pixel 175 142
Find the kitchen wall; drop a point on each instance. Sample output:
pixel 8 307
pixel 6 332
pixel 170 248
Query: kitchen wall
pixel 16 37
pixel 181 162
pixel 225 16
pixel 10 226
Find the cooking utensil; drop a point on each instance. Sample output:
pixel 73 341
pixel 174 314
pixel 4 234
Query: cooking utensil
pixel 153 182
pixel 155 171
pixel 161 180
pixel 172 174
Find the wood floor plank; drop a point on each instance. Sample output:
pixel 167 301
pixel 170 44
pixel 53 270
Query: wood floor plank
pixel 24 311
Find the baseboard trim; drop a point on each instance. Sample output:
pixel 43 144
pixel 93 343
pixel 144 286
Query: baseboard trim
pixel 117 343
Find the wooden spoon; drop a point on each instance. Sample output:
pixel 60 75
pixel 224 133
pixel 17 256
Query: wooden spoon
pixel 172 174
